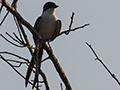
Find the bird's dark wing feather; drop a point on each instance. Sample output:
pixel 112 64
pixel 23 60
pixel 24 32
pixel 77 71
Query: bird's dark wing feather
pixel 58 28
pixel 37 23
pixel 36 27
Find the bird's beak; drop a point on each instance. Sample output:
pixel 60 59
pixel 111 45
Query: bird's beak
pixel 56 6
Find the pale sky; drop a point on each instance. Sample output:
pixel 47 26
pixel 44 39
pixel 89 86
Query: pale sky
pixel 76 59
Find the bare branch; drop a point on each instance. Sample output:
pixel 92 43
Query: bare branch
pixel 25 37
pixel 74 29
pixel 57 66
pixel 69 30
pixel 14 5
pixel 15 69
pixel 20 19
pixel 66 31
pixel 97 58
pixel 11 66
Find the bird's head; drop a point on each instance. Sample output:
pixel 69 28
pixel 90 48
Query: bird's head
pixel 49 5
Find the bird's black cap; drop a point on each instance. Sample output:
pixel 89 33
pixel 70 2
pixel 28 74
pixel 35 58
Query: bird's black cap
pixel 49 5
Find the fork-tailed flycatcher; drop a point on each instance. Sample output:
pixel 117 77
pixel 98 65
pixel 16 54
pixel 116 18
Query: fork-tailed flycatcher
pixel 47 25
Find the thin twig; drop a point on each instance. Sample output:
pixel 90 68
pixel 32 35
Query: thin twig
pixel 13 38
pixel 97 58
pixel 45 59
pixel 4 18
pixel 70 23
pixel 11 42
pixel 6 52
pixel 18 27
pixel 17 66
pixel 1 7
pixel 18 38
pixel 15 61
pixel 61 86
pixel 19 62
pixel 71 20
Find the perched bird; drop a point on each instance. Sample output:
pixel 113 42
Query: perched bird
pixel 47 25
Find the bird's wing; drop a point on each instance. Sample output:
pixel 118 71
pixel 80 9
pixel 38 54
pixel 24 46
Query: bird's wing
pixel 37 23
pixel 57 29
pixel 36 27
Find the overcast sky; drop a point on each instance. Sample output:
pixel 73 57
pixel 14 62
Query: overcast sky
pixel 75 57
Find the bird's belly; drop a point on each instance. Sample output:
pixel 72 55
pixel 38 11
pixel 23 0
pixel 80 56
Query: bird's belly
pixel 47 31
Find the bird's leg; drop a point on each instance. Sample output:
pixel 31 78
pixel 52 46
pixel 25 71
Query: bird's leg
pixel 49 44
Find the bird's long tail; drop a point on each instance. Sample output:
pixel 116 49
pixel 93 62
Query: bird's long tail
pixel 30 68
pixel 38 67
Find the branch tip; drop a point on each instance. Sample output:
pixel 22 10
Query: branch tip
pixel 97 58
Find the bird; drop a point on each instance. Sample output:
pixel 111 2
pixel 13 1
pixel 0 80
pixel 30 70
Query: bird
pixel 47 25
